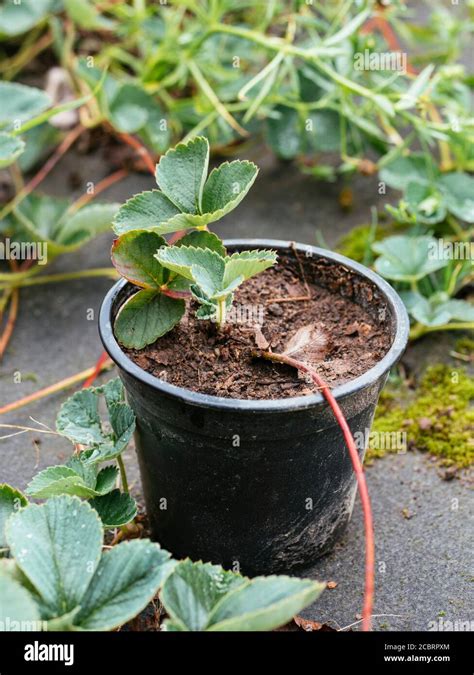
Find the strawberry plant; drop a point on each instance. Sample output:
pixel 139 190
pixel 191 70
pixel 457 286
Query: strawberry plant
pixel 427 283
pixel 197 264
pixel 25 108
pixel 57 574
pixel 203 597
pixel 430 263
pixel 291 75
pixel 97 443
pixel 287 73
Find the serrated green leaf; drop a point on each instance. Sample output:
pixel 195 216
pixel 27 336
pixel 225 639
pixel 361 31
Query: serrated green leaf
pixel 427 204
pixel 10 149
pixel 404 258
pixel 59 560
pixel 247 264
pixel 106 480
pixel 149 210
pixel 93 219
pixel 20 103
pixel 193 203
pixel 17 606
pixel 128 577
pixel 182 259
pixel 46 219
pixel 458 192
pixel 145 317
pixel 78 464
pixel 203 239
pixel 104 452
pixel 193 590
pixel 79 420
pixel 115 508
pixel 122 419
pixel 133 257
pixel 86 15
pixel 39 142
pixel 200 596
pixel 284 132
pixel 127 112
pixel 323 134
pixel 264 603
pixel 439 310
pixel 181 174
pixel 11 500
pixel 64 480
pixel 113 391
pixel 19 17
pixel 227 185
pixel 417 167
pixel 58 480
pixel 213 276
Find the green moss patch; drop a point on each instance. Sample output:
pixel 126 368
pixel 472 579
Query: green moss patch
pixel 465 346
pixel 437 417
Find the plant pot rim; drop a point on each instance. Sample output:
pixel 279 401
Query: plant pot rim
pixel 368 378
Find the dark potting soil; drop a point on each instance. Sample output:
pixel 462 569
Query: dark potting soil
pixel 347 318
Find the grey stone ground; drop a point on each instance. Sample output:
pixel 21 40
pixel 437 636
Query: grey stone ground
pixel 423 562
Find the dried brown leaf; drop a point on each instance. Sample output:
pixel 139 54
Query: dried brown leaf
pixel 260 339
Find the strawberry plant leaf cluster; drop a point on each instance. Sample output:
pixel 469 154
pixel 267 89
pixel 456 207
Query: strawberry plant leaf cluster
pixel 196 264
pixel 56 571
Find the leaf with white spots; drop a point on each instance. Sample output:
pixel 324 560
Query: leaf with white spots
pixel 57 546
pixel 127 578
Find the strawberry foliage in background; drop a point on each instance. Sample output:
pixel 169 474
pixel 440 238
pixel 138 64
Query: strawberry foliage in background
pixel 59 226
pixel 55 570
pixel 99 438
pixel 426 252
pixel 288 73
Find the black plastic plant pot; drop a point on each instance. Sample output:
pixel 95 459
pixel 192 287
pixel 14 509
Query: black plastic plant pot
pixel 256 485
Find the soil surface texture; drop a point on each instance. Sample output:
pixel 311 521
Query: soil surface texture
pixel 339 324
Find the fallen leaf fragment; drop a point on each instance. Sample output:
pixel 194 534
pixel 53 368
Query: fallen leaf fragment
pixel 260 339
pixel 307 624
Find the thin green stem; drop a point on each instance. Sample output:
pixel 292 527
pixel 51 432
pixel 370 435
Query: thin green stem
pixel 12 279
pixel 221 313
pixel 419 330
pixel 208 91
pixel 311 54
pixel 123 474
pixel 109 272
